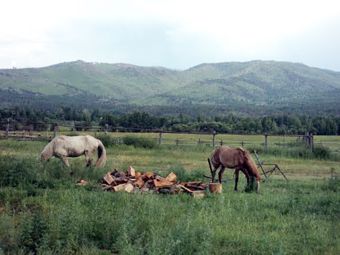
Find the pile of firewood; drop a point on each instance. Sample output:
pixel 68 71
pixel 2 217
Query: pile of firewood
pixel 133 181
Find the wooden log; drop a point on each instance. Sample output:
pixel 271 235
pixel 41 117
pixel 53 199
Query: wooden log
pixel 148 175
pixel 108 178
pixel 131 171
pixel 198 194
pixel 184 188
pixel 172 177
pixel 106 187
pixel 82 182
pixel 162 183
pixel 139 182
pixel 215 187
pixel 120 187
pixel 128 187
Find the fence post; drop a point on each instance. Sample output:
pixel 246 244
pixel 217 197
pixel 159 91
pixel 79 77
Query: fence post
pixel 312 141
pixel 199 141
pixel 55 130
pixel 177 141
pixel 242 144
pixel 7 128
pixel 221 142
pixel 266 142
pixel 213 140
pixel 160 138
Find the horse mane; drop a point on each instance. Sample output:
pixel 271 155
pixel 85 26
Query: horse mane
pixel 250 163
pixel 47 152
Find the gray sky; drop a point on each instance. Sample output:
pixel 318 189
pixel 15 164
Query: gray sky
pixel 174 34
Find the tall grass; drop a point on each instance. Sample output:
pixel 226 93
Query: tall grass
pixel 42 211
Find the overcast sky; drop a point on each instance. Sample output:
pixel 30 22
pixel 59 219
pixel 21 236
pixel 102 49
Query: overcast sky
pixel 174 34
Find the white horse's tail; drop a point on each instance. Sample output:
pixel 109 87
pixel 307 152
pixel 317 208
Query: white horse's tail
pixel 101 155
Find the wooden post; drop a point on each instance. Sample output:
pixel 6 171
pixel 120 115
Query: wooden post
pixel 177 141
pixel 160 138
pixel 7 128
pixel 242 144
pixel 312 141
pixel 221 142
pixel 55 130
pixel 199 141
pixel 266 142
pixel 213 140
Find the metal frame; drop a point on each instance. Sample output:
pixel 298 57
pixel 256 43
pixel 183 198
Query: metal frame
pixel 274 167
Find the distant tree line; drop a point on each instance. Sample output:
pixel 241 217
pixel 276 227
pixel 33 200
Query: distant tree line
pixel 83 119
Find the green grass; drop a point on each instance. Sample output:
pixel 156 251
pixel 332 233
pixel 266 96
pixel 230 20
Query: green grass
pixel 43 211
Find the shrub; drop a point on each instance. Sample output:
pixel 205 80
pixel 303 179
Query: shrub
pixel 321 152
pixel 140 142
pixel 107 140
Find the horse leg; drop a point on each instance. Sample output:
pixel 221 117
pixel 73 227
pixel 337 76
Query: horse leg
pixel 236 173
pixel 65 161
pixel 88 158
pixel 246 174
pixel 213 174
pixel 220 174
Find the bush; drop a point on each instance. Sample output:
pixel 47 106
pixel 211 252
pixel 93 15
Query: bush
pixel 321 152
pixel 107 140
pixel 140 142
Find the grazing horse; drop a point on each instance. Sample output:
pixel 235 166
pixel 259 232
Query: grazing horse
pixel 75 146
pixel 235 158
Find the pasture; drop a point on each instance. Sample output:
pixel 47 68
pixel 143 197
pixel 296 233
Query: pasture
pixel 43 211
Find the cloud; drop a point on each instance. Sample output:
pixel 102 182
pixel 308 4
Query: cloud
pixel 175 33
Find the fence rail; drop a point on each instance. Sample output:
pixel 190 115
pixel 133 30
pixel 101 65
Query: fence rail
pixel 173 138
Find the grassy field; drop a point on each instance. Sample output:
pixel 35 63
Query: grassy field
pixel 43 211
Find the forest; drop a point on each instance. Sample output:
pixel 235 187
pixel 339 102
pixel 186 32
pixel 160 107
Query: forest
pixel 26 118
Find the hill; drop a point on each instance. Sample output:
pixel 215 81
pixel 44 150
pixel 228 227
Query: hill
pixel 240 86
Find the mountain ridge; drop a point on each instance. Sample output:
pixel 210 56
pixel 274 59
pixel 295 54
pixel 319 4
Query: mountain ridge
pixel 257 82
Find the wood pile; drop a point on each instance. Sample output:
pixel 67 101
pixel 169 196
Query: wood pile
pixel 134 181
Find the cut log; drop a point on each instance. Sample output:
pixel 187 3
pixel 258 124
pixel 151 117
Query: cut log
pixel 108 178
pixel 215 187
pixel 139 182
pixel 82 182
pixel 106 187
pixel 162 183
pixel 131 171
pixel 171 177
pixel 120 180
pixel 196 185
pixel 184 188
pixel 148 175
pixel 120 187
pixel 198 194
pixel 129 187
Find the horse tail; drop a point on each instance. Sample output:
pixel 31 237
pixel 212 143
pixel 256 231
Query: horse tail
pixel 101 155
pixel 215 157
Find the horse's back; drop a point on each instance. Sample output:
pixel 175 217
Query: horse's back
pixel 230 157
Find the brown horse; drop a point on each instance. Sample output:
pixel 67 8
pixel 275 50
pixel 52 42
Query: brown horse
pixel 235 158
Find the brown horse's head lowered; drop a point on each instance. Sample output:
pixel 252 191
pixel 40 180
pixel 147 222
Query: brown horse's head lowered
pixel 235 158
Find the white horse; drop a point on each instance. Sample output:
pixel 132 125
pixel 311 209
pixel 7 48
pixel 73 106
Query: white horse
pixel 75 146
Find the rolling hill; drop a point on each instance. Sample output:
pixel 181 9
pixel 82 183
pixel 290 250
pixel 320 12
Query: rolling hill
pixel 256 84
